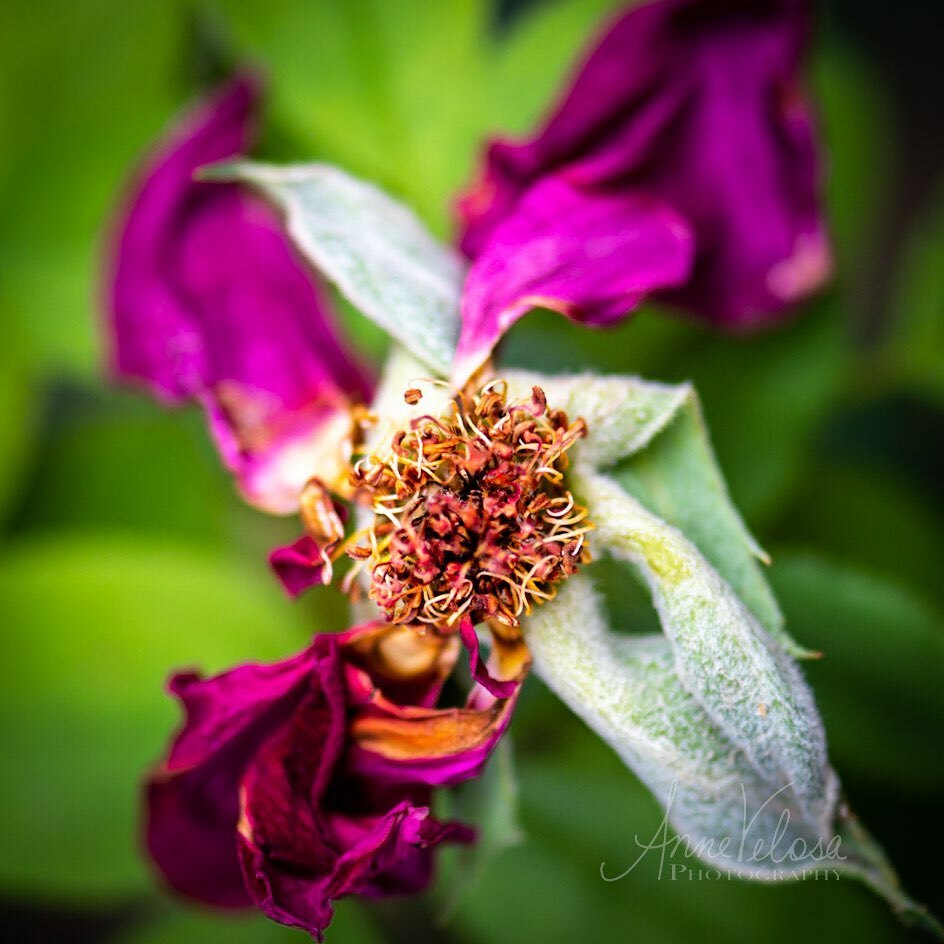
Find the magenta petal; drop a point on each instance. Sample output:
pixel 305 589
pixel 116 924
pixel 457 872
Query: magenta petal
pixel 193 800
pixel 311 831
pixel 394 857
pixel 696 103
pixel 413 860
pixel 592 256
pixel 209 303
pixel 301 565
pixel 478 668
pixel 258 801
pixel 389 854
pixel 287 853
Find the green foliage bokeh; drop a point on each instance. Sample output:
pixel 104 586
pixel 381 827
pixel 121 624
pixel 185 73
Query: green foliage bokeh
pixel 125 554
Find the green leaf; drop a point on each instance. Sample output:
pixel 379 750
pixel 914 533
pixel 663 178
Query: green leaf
pixel 723 657
pixel 653 439
pixel 94 627
pixel 581 808
pixel 677 477
pixel 373 248
pixel 627 690
pixel 730 806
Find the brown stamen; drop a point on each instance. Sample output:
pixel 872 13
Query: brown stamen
pixel 472 516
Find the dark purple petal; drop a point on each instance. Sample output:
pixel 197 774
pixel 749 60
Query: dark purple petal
pixel 311 831
pixel 390 854
pixel 395 857
pixel 258 801
pixel 286 848
pixel 478 668
pixel 697 104
pixel 301 565
pixel 592 256
pixel 193 799
pixel 209 303
pixel 191 832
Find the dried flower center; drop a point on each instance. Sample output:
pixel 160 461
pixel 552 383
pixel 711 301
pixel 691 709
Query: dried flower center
pixel 472 516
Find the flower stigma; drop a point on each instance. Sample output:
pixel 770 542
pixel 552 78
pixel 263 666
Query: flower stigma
pixel 472 517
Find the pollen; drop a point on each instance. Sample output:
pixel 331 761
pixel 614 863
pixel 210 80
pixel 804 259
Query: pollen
pixel 472 516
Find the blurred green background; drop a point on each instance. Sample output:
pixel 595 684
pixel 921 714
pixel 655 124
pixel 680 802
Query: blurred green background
pixel 124 552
